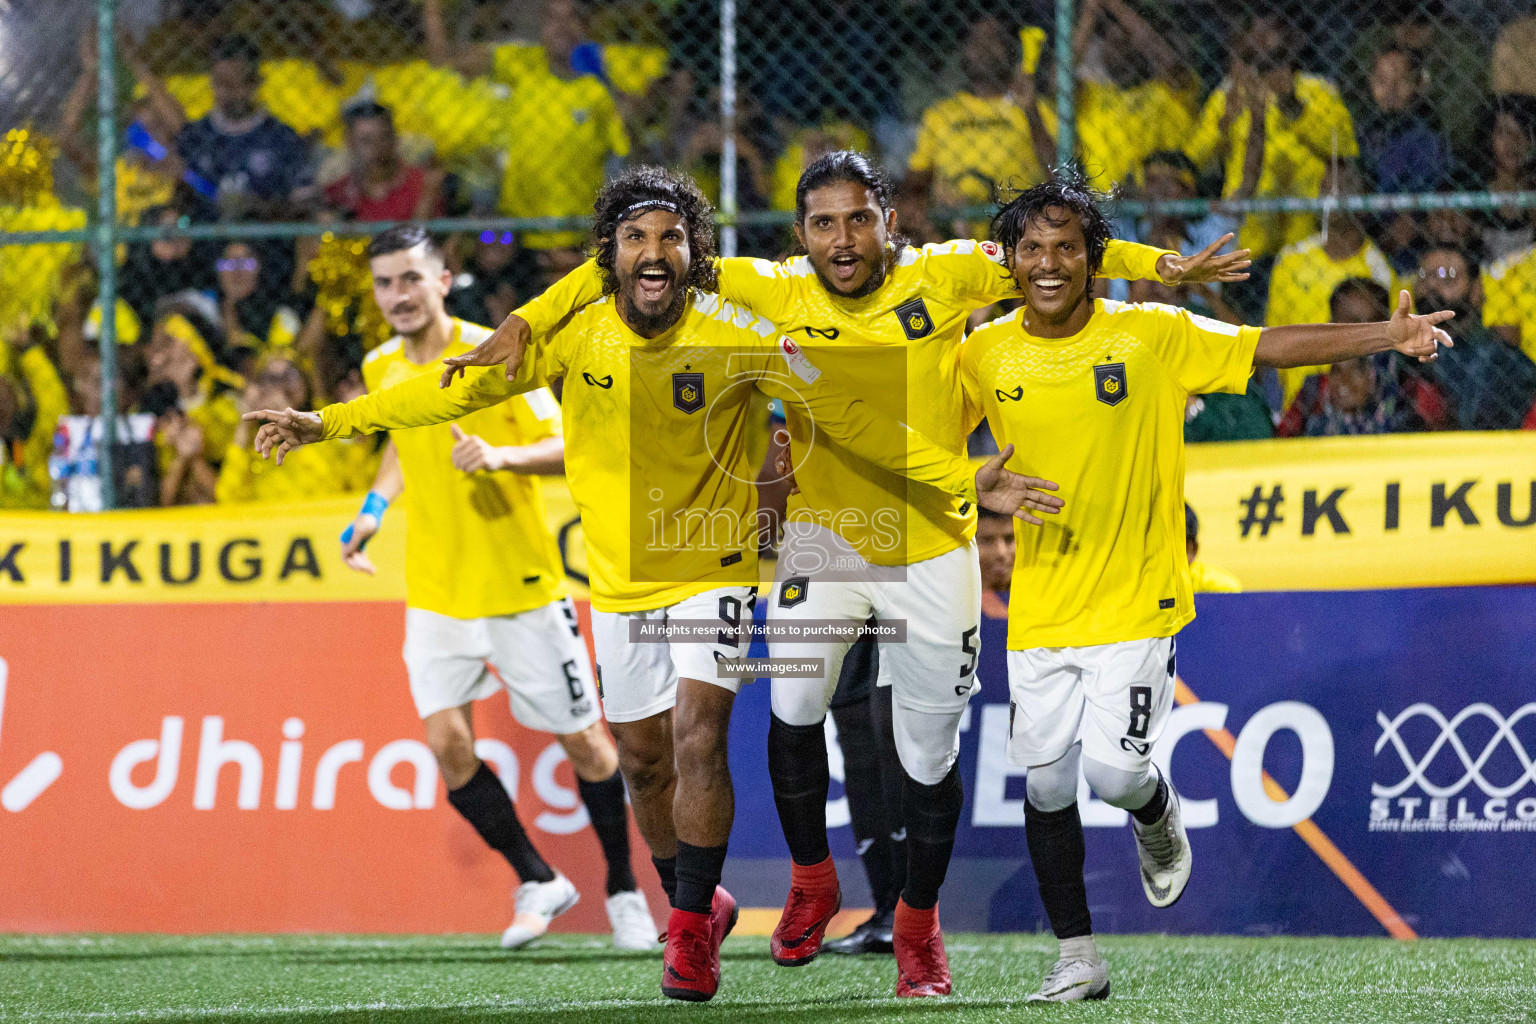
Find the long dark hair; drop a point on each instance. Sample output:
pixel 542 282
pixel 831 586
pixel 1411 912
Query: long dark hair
pixel 644 185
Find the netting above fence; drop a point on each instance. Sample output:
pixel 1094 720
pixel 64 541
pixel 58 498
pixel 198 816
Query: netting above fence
pixel 1356 151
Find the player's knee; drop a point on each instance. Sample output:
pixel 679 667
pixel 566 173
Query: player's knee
pixel 799 701
pixel 1119 787
pixel 701 750
pixel 591 753
pixel 455 752
pixel 1052 787
pixel 928 745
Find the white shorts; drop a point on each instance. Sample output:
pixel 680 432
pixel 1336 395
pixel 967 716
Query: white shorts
pixel 1113 697
pixel 638 680
pixel 537 656
pixel 821 576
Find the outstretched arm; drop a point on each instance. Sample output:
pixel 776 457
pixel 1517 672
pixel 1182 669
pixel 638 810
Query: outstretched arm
pixel 533 321
pixel 417 402
pixel 1416 335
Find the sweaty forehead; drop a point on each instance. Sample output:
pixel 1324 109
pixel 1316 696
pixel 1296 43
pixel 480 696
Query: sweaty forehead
pixel 839 198
pixel 657 222
pixel 1054 224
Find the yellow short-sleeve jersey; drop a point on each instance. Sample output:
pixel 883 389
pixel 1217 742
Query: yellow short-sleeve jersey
pixel 655 439
pixel 973 144
pixel 477 544
pixel 1117 129
pixel 897 348
pixel 1102 414
pixel 560 133
pixel 1509 298
pixel 1302 283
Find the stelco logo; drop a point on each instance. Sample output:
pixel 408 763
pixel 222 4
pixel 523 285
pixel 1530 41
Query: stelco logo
pixel 1461 780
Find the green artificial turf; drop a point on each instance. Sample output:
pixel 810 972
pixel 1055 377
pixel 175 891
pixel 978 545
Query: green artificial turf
pixel 570 979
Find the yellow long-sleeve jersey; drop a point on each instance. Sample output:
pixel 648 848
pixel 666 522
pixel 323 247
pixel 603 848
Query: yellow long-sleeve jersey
pixel 898 348
pixel 655 439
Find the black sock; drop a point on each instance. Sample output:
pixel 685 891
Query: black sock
pixel 666 868
pixel 862 781
pixel 893 786
pixel 610 820
pixel 485 804
pixel 1152 810
pixel 932 812
pixel 797 767
pixel 1055 841
pixel 698 872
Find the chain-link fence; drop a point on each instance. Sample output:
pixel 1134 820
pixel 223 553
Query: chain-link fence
pixel 1355 150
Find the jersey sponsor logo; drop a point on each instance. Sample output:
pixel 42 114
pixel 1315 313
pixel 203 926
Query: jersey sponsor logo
pixel 794 591
pixel 830 333
pixel 914 319
pixel 992 249
pixel 688 391
pixel 1165 604
pixel 731 559
pixel 1130 745
pixel 1109 383
pixel 1009 396
pixel 605 382
pixel 798 362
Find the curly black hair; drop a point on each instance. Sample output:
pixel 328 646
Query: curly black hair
pixel 637 187
pixel 1067 190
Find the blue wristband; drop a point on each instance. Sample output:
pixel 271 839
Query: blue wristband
pixel 373 505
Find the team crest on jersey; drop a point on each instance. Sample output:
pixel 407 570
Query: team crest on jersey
pixel 688 391
pixel 1109 383
pixel 794 591
pixel 914 319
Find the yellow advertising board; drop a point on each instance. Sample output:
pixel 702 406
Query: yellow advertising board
pixel 219 553
pixel 1322 514
pixel 1359 513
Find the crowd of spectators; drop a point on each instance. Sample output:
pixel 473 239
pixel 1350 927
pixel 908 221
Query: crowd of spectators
pixel 475 107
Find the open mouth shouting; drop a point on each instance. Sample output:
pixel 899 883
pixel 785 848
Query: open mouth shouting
pixel 652 283
pixel 845 266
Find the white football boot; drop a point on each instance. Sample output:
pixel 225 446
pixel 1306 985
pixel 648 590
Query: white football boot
pixel 630 916
pixel 535 905
pixel 1074 978
pixel 1163 849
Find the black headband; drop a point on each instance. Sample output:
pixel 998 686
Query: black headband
pixel 635 209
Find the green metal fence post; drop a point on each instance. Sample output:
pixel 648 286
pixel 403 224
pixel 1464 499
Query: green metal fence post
pixel 1066 74
pixel 106 238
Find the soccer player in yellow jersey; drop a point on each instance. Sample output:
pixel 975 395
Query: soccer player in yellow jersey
pixel 656 381
pixel 1095 391
pixel 885 321
pixel 486 608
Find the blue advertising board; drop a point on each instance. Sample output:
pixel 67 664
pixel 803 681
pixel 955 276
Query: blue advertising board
pixel 1399 725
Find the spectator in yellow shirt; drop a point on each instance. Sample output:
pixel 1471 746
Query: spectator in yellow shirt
pixel 328 469
pixel 563 127
pixel 31 403
pixel 1308 271
pixel 1125 108
pixel 1305 126
pixel 1205 577
pixel 991 133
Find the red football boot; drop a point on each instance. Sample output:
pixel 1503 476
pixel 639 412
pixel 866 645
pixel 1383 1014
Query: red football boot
pixel 690 966
pixel 722 920
pixel 814 897
pixel 922 969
